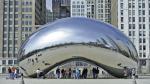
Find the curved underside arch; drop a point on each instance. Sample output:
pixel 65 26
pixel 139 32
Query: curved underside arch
pixel 104 58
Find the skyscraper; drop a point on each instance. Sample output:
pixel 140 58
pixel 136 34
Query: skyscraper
pixel 18 20
pixel 49 16
pixel 60 9
pixel 96 9
pixel 134 21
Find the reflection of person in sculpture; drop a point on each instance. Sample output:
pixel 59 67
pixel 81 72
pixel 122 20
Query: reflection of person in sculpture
pixel 125 72
pixel 38 73
pixel 133 73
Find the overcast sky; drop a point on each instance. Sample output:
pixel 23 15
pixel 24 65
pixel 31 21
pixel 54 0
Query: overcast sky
pixel 49 4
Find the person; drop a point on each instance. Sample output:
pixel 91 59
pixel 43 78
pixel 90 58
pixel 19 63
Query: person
pixel 58 72
pixel 13 72
pixel 38 73
pixel 10 72
pixel 94 73
pixel 125 72
pixel 62 73
pixel 69 73
pixel 97 72
pixel 41 75
pixel 18 72
pixel 77 73
pixel 32 61
pixel 74 73
pixel 36 59
pixel 85 73
pixel 133 73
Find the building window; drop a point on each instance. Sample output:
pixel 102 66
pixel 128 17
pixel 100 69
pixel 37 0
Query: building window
pixel 140 40
pixel 16 41
pixel 16 22
pixel 16 28
pixel 129 19
pixel 15 62
pixel 129 5
pixel 143 62
pixel 133 26
pixel 16 49
pixel 133 33
pixel 121 12
pixel 10 62
pixel 143 5
pixel 10 42
pixel 16 2
pixel 143 19
pixel 5 29
pixel 143 12
pixel 3 69
pixel 140 19
pixel 140 12
pixel 3 62
pixel 133 19
pixel 144 47
pixel 140 47
pixel 16 15
pixel 143 26
pixel 121 5
pixel 130 33
pixel 4 48
pixel 121 19
pixel 140 5
pixel 144 41
pixel 140 33
pixel 10 22
pixel 122 26
pixel 144 33
pixel 140 26
pixel 5 35
pixel 5 42
pixel 10 48
pixel 129 26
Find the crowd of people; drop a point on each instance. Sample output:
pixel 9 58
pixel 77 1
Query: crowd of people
pixel 13 72
pixel 129 72
pixel 76 73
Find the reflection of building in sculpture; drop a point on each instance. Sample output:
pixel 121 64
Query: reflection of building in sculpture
pixel 74 39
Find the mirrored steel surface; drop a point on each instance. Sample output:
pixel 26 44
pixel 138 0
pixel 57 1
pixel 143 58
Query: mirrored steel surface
pixel 72 31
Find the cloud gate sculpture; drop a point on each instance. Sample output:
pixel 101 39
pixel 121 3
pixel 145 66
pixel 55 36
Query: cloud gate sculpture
pixel 77 38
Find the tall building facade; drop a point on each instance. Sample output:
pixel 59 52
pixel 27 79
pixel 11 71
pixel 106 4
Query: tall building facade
pixel 134 21
pixel 49 16
pixel 19 18
pixel 60 9
pixel 96 9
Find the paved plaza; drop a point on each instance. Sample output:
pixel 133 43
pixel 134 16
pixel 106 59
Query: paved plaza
pixel 74 81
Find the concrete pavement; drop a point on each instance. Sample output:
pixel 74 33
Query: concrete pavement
pixel 75 81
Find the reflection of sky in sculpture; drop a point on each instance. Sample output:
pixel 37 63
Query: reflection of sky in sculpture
pixel 78 30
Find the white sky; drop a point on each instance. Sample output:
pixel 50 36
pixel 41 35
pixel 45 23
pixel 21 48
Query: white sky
pixel 49 4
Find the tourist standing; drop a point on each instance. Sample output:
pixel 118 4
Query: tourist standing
pixel 38 73
pixel 13 72
pixel 77 73
pixel 133 73
pixel 10 72
pixel 97 72
pixel 94 72
pixel 74 73
pixel 69 73
pixel 58 72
